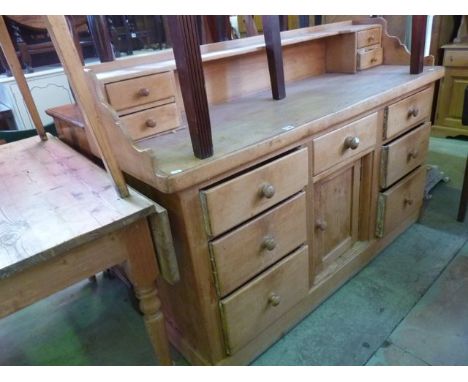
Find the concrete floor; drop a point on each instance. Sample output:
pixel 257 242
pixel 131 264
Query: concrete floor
pixel 407 307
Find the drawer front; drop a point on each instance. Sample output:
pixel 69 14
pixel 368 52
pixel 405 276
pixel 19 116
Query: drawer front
pixel 241 254
pixel 456 58
pixel 400 201
pixel 141 90
pixel 232 202
pixel 259 303
pixel 404 155
pixel 338 145
pixel 369 57
pixel 368 37
pixel 408 112
pixel 152 121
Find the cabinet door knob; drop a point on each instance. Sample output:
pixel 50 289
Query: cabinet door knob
pixel 351 143
pixel 413 154
pixel 144 92
pixel 321 225
pixel 274 299
pixel 373 60
pixel 413 112
pixel 268 190
pixel 269 243
pixel 370 39
pixel 150 122
pixel 409 201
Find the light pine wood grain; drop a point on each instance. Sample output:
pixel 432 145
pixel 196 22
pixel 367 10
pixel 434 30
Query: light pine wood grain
pixel 336 214
pixel 400 201
pixel 369 37
pixel 244 249
pixel 140 90
pixel 241 198
pixel 409 112
pixel 152 121
pixel 404 154
pixel 369 57
pixel 330 148
pixel 48 184
pixel 250 309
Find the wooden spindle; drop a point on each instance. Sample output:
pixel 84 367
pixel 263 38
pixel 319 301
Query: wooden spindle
pixel 418 40
pixel 271 31
pixel 184 35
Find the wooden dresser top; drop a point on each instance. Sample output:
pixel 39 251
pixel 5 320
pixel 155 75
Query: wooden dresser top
pixel 256 125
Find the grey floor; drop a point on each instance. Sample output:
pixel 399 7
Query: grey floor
pixel 407 307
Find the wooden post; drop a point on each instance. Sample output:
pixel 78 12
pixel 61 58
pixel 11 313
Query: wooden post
pixel 12 60
pixel 271 30
pixel 250 27
pixel 283 22
pixel 184 35
pixel 101 37
pixel 418 40
pixel 66 51
pixel 143 271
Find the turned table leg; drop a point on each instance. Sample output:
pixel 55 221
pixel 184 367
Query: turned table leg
pixel 143 272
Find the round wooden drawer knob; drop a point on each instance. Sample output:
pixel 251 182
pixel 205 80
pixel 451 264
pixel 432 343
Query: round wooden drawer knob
pixel 150 123
pixel 268 191
pixel 321 225
pixel 351 143
pixel 373 60
pixel 413 154
pixel 370 39
pixel 413 112
pixel 144 92
pixel 409 201
pixel 269 243
pixel 274 299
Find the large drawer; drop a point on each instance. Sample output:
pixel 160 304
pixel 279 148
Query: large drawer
pixel 456 58
pixel 403 155
pixel 400 201
pixel 244 252
pixel 368 37
pixel 408 112
pixel 253 307
pixel 345 142
pixel 152 121
pixel 140 90
pixel 232 202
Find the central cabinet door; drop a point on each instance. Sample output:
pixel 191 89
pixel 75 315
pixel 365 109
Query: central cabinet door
pixel 336 214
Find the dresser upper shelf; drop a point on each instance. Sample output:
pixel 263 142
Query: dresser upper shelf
pixel 164 60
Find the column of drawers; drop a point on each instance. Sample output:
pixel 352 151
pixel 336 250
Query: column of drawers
pixel 145 104
pixel 369 48
pixel 402 173
pixel 256 222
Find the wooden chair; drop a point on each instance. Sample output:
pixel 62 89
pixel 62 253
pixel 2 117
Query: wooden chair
pixel 44 248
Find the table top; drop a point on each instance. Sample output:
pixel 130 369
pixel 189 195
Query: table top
pixel 53 199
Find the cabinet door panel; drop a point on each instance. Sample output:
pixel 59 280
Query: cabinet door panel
pixel 336 214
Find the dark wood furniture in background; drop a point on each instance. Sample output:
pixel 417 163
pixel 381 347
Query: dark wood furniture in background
pixel 7 122
pixel 31 39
